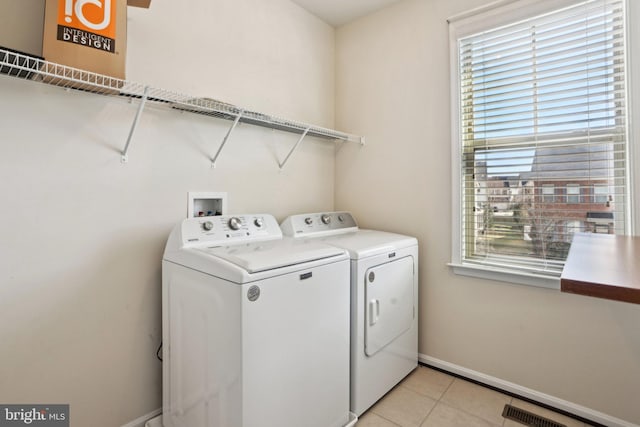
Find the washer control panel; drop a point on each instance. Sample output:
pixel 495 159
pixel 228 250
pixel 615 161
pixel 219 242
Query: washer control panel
pixel 317 224
pixel 229 229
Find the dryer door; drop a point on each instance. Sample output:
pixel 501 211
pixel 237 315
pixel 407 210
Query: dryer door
pixel 389 305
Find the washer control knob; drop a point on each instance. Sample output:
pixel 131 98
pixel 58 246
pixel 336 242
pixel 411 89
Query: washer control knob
pixel 258 222
pixel 340 218
pixel 326 219
pixel 207 225
pixel 308 220
pixel 235 223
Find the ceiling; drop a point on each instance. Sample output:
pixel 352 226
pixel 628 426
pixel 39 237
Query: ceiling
pixel 339 12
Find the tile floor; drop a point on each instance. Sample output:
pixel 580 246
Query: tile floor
pixel 430 398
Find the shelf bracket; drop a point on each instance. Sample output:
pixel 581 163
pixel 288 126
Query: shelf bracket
pixel 124 157
pixel 226 138
pixel 294 148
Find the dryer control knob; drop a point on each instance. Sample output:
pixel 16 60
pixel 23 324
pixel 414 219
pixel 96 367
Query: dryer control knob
pixel 235 223
pixel 258 222
pixel 308 221
pixel 326 219
pixel 207 226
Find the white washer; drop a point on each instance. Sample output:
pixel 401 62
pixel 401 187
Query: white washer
pixel 255 328
pixel 384 298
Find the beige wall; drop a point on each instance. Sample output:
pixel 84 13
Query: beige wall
pixel 393 85
pixel 82 234
pixel 271 56
pixel 21 24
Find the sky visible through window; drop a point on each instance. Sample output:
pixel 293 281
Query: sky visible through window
pixel 541 86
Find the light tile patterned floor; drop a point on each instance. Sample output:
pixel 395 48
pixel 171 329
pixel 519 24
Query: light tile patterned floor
pixel 430 398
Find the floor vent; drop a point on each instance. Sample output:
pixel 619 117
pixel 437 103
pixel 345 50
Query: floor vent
pixel 527 418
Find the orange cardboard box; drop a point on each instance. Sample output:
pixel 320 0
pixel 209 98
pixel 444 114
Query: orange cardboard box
pixel 87 34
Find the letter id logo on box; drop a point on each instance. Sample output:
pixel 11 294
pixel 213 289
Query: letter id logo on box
pixel 90 23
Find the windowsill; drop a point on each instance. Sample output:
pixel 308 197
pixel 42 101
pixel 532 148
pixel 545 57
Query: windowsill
pixel 506 276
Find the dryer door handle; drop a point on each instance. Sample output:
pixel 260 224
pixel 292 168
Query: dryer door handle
pixel 374 311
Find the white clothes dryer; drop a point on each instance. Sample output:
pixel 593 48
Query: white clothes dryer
pixel 255 327
pixel 384 299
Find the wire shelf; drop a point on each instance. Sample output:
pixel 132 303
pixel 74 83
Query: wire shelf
pixel 34 68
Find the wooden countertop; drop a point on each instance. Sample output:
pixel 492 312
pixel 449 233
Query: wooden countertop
pixel 603 266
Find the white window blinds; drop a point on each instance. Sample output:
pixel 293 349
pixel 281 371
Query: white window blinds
pixel 543 134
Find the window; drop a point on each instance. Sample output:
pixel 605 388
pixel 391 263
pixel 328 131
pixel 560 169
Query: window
pixel 573 193
pixel 548 193
pixel 540 109
pixel 600 193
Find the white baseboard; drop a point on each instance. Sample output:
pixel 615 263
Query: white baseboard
pixel 141 421
pixel 519 390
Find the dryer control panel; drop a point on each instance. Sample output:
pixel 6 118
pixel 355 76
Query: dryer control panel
pixel 318 224
pixel 229 229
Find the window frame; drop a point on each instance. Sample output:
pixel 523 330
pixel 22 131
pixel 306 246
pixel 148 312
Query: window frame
pixel 502 13
pixel 548 197
pixel 596 194
pixel 570 195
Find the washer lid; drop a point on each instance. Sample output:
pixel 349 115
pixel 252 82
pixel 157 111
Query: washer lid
pixel 257 257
